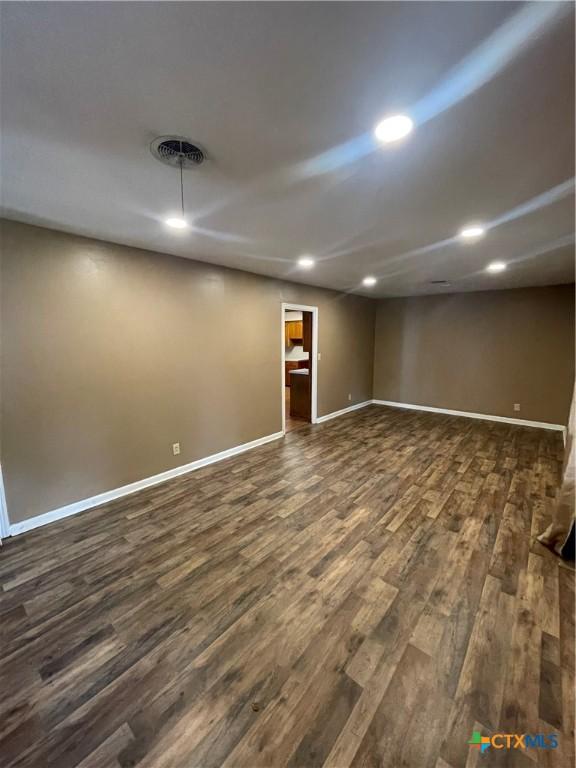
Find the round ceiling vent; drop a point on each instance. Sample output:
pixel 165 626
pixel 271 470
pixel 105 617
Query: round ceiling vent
pixel 177 152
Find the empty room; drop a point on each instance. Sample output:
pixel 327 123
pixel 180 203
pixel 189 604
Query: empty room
pixel 287 417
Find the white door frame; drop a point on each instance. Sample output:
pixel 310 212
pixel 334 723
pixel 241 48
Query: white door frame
pixel 313 356
pixel 4 521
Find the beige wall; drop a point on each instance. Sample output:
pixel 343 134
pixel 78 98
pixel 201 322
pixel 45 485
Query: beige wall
pixel 479 352
pixel 110 354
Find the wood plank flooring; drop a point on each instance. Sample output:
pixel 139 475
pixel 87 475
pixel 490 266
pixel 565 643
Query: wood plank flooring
pixel 366 592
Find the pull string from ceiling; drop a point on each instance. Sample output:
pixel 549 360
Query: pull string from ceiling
pixel 182 186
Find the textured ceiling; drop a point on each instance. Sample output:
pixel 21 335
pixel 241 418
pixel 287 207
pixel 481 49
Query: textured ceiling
pixel 283 97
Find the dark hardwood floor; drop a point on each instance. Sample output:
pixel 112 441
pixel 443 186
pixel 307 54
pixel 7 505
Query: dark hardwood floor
pixel 366 592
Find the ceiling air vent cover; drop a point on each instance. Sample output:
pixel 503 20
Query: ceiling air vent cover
pixel 177 151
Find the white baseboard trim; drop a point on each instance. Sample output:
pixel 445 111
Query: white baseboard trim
pixel 470 415
pixel 125 490
pixel 350 408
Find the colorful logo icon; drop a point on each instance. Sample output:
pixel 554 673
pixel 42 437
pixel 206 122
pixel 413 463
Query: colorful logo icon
pixel 480 742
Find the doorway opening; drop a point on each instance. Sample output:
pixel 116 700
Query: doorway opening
pixel 299 358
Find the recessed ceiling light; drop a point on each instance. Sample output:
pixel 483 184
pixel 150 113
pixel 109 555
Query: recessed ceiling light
pixel 306 262
pixel 393 128
pixel 369 281
pixel 496 266
pixel 472 232
pixel 176 222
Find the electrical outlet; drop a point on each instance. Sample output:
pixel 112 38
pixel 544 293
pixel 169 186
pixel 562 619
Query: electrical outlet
pixel 349 396
pixel 516 406
pixel 319 355
pixel 175 448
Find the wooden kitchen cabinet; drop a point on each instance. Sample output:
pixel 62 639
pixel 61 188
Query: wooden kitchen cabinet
pixel 300 399
pixel 307 331
pixel 292 365
pixel 293 332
